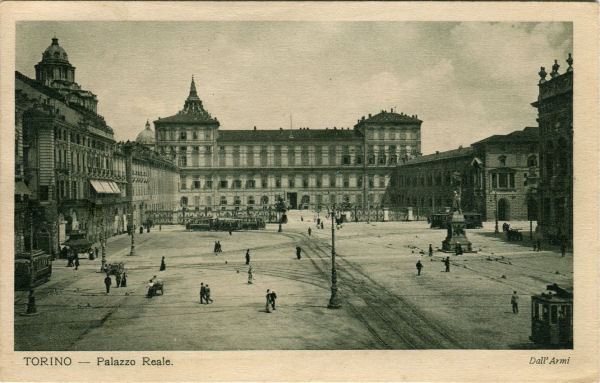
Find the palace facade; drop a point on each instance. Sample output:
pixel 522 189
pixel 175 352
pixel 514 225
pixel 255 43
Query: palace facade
pixel 555 118
pixel 250 170
pixel 497 177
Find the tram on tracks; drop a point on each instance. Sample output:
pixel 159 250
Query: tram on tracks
pixel 32 269
pixel 225 224
pixel 552 317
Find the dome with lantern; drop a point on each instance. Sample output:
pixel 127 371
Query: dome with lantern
pixel 146 136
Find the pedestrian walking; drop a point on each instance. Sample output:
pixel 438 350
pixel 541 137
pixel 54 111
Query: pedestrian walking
pixel 76 262
pixel 159 227
pixel 31 309
pixel 250 275
pixel 514 301
pixel 229 231
pixel 539 245
pixel 124 279
pixel 207 295
pixel 268 296
pixel 163 266
pixel 202 293
pixel 322 225
pixel 279 230
pixel 107 283
pixel 419 267
pixel 118 278
pixel 219 248
pixel 309 231
pixel 248 256
pixel 96 251
pixel 70 259
pixel 141 229
pixel 447 263
pixel 563 249
pixel 302 218
pixel 298 252
pixel 430 250
pixel 273 297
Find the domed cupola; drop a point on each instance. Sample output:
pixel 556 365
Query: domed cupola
pixel 146 137
pixel 54 66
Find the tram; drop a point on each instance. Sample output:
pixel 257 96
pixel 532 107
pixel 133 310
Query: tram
pixel 32 269
pixel 552 317
pixel 225 224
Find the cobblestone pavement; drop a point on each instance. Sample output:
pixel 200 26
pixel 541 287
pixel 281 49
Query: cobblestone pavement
pixel 385 305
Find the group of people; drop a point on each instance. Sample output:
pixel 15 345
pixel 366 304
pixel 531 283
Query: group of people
pixel 217 248
pixel 120 278
pixel 205 294
pixel 445 260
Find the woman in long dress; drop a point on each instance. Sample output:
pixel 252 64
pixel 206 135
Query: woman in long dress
pixel 163 266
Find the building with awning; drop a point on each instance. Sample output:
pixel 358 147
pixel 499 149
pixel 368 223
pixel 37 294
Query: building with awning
pixel 105 187
pixel 21 189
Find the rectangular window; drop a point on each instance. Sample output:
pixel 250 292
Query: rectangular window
pixel 250 184
pixel 304 155
pixel 291 156
pixel 359 181
pixel 183 135
pixel 237 184
pixel 195 135
pixel 250 156
pixel 304 181
pixel 196 184
pixel 346 182
pixel 318 155
pixel 503 180
pixel 264 182
pixel 223 200
pixel 223 184
pixel 208 184
pixel 291 181
pixel 494 181
pixel 278 156
pixel 371 181
pixel 263 156
pixel 381 182
pixel 319 182
pixel 183 183
pixel 332 180
pixel 277 182
pixel 512 180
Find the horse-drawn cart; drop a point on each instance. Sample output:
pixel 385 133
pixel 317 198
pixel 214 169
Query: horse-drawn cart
pixel 154 286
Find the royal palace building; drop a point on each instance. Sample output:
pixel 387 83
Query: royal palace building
pixel 70 174
pixel 497 177
pixel 250 170
pixel 555 119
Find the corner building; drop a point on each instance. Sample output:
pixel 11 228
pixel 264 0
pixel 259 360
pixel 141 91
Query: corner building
pixel 555 119
pixel 249 170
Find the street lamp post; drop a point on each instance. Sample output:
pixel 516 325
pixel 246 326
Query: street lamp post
pixel 132 251
pixel 334 302
pixel 496 212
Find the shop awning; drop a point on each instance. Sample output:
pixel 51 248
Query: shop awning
pixel 105 187
pixel 21 188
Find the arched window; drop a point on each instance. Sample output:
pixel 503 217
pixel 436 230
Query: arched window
pixel 502 160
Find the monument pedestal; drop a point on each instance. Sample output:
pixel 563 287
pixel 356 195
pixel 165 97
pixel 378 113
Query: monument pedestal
pixel 456 235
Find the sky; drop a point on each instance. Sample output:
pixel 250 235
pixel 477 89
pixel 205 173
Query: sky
pixel 466 81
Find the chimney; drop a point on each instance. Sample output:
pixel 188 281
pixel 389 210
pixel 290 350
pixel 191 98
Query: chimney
pixel 369 115
pixel 254 127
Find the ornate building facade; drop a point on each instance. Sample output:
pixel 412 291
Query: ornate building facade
pixel 70 174
pixel 498 176
pixel 250 170
pixel 555 119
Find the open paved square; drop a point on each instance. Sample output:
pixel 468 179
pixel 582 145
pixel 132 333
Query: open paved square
pixel 385 305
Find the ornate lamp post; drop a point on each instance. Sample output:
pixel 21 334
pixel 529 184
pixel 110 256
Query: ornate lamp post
pixel 132 251
pixel 334 302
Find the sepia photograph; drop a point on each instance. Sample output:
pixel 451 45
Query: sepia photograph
pixel 292 185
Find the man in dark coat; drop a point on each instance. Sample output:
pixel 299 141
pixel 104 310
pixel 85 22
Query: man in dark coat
pixel 309 231
pixel 207 295
pixel 447 263
pixel 430 250
pixel 298 252
pixel 107 283
pixel 514 301
pixel 273 297
pixel 163 266
pixel 248 256
pixel 76 262
pixel 419 267
pixel 202 293
pixel 268 296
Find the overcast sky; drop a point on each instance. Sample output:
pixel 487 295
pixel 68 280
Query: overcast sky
pixel 466 81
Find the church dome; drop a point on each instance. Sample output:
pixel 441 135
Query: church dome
pixel 146 136
pixel 55 52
